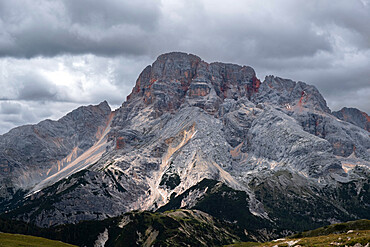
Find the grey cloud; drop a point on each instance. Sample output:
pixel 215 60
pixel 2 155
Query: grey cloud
pixel 82 79
pixel 14 119
pixel 10 107
pixel 76 27
pixel 36 88
pixel 15 113
pixel 268 32
pixel 357 99
pixel 5 126
pixel 352 16
pixel 100 94
pixel 276 29
pixel 115 12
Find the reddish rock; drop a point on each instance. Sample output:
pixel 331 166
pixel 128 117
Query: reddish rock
pixel 256 84
pixel 198 90
pixel 174 75
pixel 120 142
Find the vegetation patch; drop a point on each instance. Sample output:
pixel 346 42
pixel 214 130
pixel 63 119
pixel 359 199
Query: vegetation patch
pixel 355 238
pixel 10 240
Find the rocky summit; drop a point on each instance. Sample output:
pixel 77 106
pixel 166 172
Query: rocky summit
pixel 269 157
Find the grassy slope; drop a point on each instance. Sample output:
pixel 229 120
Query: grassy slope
pixel 341 234
pixel 7 239
pixel 342 239
pixel 336 228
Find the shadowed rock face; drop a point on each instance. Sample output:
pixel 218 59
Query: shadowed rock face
pixel 187 120
pixel 354 116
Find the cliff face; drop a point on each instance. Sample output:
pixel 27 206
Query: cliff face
pixel 175 79
pixel 186 120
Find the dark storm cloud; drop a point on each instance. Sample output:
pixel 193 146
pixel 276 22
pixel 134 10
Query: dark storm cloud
pixel 257 35
pixel 49 28
pixel 261 31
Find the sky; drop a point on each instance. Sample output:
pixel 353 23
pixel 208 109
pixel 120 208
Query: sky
pixel 58 55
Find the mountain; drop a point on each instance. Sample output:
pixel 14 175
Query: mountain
pixel 33 153
pixel 269 157
pixel 354 116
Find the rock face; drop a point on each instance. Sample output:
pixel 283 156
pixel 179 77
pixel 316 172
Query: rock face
pixel 354 116
pixel 274 144
pixel 293 96
pixel 31 153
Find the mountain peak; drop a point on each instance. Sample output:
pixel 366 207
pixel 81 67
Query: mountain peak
pixel 103 103
pixel 104 106
pixel 177 56
pixel 176 78
pixel 354 116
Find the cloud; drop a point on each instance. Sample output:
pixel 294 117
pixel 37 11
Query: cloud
pixel 66 52
pixel 258 30
pixel 85 79
pixel 49 28
pixel 106 14
pixel 35 87
pixel 25 82
pixel 10 108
